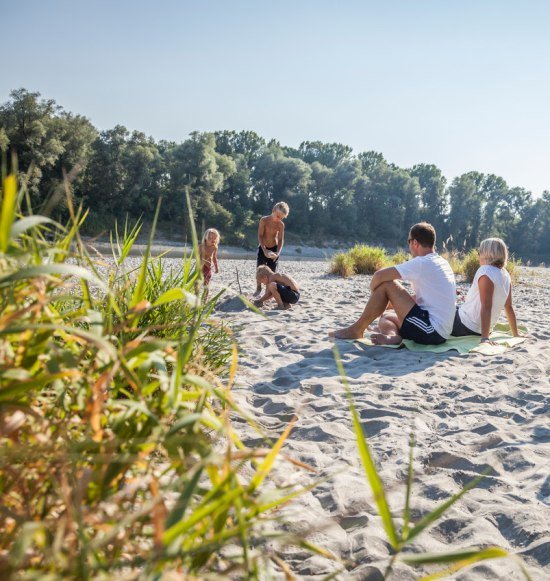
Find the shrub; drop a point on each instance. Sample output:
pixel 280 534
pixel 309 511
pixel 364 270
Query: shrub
pixel 368 259
pixel 470 264
pixel 454 260
pixel 342 265
pixel 512 266
pixel 399 257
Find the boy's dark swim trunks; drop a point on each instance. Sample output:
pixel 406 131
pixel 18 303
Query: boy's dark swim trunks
pixel 287 294
pixel 263 259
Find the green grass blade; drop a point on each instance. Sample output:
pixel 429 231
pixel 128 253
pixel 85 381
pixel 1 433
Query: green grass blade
pixel 410 477
pixel 181 505
pixel 22 225
pixel 266 466
pixel 138 294
pixel 53 269
pixel 457 559
pixel 368 463
pixel 9 204
pixel 430 518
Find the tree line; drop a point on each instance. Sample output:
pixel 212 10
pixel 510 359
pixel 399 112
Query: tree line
pixel 234 177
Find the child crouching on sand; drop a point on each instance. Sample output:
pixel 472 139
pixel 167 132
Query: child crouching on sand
pixel 208 251
pixel 279 286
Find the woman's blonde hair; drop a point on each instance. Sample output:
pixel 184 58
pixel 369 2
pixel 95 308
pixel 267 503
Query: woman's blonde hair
pixel 494 251
pixel 263 270
pixel 208 232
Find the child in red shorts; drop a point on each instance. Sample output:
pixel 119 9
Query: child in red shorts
pixel 208 250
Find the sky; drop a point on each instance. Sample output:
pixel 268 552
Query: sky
pixel 462 84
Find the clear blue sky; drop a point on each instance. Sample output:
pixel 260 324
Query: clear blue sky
pixel 462 84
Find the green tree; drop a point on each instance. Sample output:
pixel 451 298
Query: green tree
pixel 433 195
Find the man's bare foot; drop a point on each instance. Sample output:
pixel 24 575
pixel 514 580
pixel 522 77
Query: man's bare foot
pixel 257 303
pixel 283 307
pixel 351 332
pixel 380 339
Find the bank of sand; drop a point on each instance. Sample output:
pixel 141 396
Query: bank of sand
pixel 467 413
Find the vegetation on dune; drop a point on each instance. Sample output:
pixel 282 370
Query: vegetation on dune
pixel 362 259
pixel 235 177
pixel 118 453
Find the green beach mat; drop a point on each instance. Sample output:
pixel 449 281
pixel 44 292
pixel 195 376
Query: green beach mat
pixel 470 344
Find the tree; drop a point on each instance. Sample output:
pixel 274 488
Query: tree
pixel 328 154
pixel 28 123
pixel 433 195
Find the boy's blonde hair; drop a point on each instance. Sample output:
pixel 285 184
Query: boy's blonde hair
pixel 494 251
pixel 208 232
pixel 282 207
pixel 263 270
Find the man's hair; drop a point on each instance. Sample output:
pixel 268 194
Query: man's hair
pixel 282 207
pixel 424 234
pixel 263 270
pixel 208 232
pixel 494 251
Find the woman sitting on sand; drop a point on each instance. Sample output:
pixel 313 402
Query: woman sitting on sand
pixel 491 290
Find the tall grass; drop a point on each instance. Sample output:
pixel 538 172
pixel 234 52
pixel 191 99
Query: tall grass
pixel 368 259
pixel 117 451
pixel 342 264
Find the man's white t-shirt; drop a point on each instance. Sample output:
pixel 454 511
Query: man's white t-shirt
pixel 434 285
pixel 470 311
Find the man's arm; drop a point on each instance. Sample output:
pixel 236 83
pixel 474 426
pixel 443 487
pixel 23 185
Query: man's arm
pixel 384 275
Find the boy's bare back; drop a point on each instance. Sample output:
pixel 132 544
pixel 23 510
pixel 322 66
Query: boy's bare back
pixel 285 279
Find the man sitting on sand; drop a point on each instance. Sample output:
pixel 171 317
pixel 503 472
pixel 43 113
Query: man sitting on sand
pixel 425 317
pixel 279 286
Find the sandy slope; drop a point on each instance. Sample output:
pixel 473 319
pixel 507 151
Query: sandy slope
pixel 467 412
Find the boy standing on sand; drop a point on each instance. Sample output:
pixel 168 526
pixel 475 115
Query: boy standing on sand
pixel 426 317
pixel 279 286
pixel 271 236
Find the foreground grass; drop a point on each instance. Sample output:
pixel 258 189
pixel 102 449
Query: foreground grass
pixel 117 451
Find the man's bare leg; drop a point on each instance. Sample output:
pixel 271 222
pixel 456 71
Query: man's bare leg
pixel 388 291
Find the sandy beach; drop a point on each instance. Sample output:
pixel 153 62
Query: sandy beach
pixel 467 412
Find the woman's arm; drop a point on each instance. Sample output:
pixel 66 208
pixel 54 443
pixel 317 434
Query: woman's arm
pixel 511 315
pixel 486 290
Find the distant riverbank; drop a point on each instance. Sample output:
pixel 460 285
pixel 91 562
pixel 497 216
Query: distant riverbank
pixel 178 250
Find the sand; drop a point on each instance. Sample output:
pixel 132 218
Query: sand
pixel 467 413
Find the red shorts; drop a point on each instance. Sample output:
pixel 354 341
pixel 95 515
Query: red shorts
pixel 206 273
